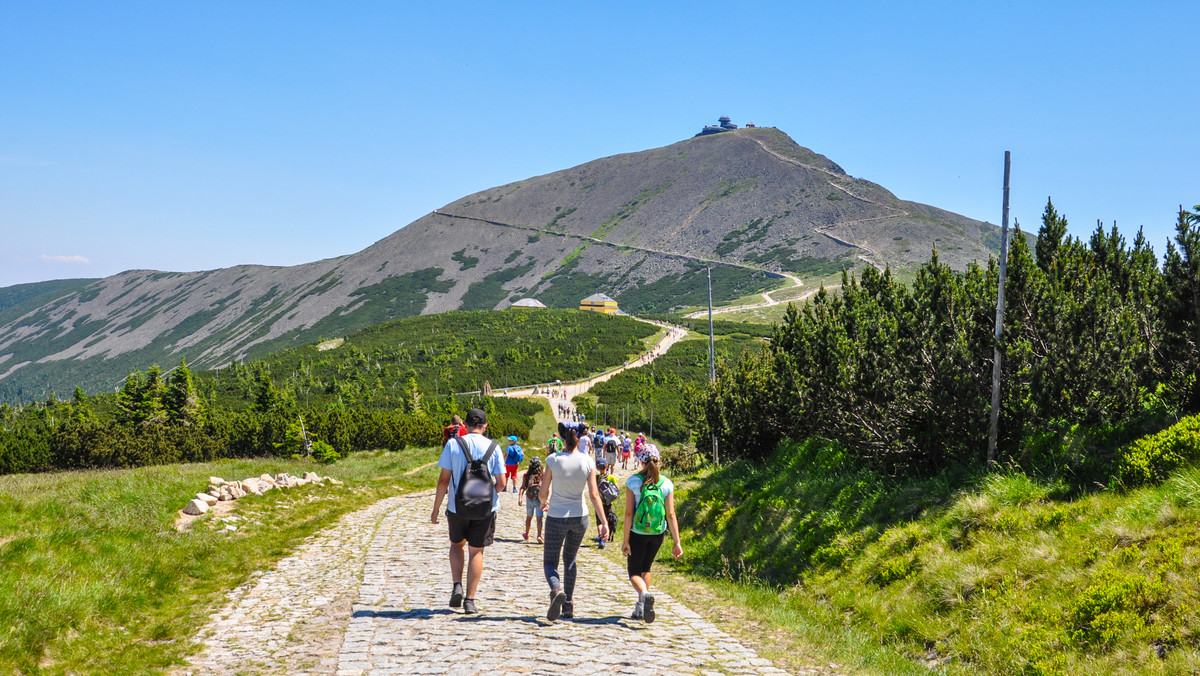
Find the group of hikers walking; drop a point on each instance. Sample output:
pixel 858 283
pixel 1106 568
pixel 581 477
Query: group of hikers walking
pixel 557 494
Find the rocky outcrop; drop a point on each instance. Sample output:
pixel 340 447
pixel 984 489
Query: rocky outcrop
pixel 220 490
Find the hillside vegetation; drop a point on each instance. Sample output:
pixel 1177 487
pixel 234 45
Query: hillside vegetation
pixel 390 386
pixel 1005 575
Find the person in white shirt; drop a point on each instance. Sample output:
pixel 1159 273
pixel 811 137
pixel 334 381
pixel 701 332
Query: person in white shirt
pixel 570 480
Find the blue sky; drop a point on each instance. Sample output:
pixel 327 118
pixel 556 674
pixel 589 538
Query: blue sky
pixel 187 136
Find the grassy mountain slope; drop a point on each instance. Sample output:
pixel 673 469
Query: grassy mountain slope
pixel 640 226
pixel 1007 575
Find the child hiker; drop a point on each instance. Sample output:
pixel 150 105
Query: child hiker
pixel 531 485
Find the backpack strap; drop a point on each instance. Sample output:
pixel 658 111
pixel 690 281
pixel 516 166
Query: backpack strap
pixel 491 449
pixel 463 445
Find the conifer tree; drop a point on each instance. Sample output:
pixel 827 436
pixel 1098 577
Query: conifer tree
pixel 183 404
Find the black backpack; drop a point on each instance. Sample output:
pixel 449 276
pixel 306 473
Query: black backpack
pixel 476 486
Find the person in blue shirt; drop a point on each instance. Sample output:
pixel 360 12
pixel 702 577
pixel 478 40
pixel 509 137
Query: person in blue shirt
pixel 513 455
pixel 475 534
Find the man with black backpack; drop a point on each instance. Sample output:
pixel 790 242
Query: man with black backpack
pixel 473 476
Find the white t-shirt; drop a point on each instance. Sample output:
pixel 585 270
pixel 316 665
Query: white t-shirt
pixel 585 444
pixel 634 484
pixel 569 484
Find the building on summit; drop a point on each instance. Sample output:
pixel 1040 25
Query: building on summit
pixel 723 125
pixel 599 303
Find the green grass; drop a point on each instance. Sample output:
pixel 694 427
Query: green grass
pixel 1004 575
pixel 94 578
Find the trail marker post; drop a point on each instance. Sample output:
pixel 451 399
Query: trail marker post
pixel 993 428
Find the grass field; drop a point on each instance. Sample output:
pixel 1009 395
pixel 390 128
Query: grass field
pixel 95 578
pixel 1006 575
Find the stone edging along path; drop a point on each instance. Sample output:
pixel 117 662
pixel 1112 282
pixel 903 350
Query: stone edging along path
pixel 369 596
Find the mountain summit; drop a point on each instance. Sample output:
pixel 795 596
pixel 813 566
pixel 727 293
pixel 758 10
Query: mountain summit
pixel 640 227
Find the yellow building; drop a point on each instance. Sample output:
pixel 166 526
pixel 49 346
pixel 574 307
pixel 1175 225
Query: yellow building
pixel 599 303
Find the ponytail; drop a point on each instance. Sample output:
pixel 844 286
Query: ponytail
pixel 649 472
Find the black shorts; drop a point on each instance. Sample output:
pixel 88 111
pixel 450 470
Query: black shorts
pixel 642 550
pixel 477 532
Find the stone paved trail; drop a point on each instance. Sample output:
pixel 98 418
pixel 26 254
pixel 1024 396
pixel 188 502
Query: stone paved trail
pixel 390 562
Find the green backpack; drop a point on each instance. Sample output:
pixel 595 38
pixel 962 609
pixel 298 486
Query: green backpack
pixel 651 515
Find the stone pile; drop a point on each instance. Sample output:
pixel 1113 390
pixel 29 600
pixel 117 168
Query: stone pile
pixel 220 490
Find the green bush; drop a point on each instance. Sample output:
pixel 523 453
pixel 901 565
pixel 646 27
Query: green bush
pixel 1151 458
pixel 324 453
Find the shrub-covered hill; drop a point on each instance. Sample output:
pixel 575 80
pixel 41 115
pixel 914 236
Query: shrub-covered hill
pixel 385 387
pixel 440 354
pixel 1004 575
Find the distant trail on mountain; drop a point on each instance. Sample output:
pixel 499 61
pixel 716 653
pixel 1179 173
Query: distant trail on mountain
pixel 617 245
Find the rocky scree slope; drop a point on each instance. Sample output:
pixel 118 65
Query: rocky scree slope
pixel 639 226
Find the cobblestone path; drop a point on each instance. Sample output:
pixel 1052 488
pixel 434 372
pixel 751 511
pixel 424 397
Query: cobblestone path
pixel 296 619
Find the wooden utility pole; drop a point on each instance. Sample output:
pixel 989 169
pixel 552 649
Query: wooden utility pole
pixel 993 428
pixel 712 359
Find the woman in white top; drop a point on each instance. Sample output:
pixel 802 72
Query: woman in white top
pixel 570 478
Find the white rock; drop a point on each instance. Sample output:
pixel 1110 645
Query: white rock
pixel 214 490
pixel 281 479
pixel 252 486
pixel 216 480
pixel 237 492
pixel 302 482
pixel 333 481
pixel 267 478
pixel 226 497
pixel 231 527
pixel 311 477
pixel 195 507
pixel 206 499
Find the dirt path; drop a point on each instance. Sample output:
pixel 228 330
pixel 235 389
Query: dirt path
pixel 767 302
pixel 369 596
pixel 568 391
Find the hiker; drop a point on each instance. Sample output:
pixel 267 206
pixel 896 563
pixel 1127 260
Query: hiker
pixel 454 429
pixel 626 450
pixel 531 485
pixel 570 481
pixel 554 445
pixel 585 441
pixel 611 443
pixel 649 512
pixel 513 455
pixel 473 476
pixel 606 483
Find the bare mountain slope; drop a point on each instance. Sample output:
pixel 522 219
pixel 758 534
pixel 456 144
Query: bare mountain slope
pixel 640 226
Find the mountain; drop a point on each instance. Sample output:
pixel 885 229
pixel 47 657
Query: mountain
pixel 641 227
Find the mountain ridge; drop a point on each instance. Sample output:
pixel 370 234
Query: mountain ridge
pixel 639 226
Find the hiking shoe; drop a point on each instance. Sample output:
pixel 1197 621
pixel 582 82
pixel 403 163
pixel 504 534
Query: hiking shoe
pixel 469 607
pixel 568 610
pixel 638 611
pixel 602 544
pixel 456 596
pixel 648 608
pixel 557 599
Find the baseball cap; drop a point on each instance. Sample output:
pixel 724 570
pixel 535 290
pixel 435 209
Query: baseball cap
pixel 476 417
pixel 513 439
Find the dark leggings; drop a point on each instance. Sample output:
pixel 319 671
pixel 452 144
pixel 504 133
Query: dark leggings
pixel 563 536
pixel 642 550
